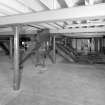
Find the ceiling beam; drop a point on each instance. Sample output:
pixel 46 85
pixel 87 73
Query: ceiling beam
pixel 94 11
pixel 9 8
pixel 72 32
pixel 34 5
pixel 51 4
pixel 80 34
pixel 34 26
pixel 47 25
pixel 92 2
pixel 10 33
pixel 86 24
pixel 25 5
pixel 42 5
pixel 76 30
pixel 62 3
pixel 55 25
pixel 86 35
pixel 72 3
pixel 58 25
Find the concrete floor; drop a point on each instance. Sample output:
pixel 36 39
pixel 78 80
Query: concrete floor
pixel 58 84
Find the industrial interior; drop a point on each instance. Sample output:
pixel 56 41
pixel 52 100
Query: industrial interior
pixel 52 52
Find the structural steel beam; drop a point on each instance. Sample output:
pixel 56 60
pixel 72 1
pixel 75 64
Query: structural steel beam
pixel 76 30
pixel 85 32
pixel 33 5
pixel 95 31
pixel 62 3
pixel 16 75
pixel 85 35
pixel 92 11
pixel 10 33
pixel 86 24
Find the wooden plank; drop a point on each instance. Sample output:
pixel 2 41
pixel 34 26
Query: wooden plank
pixel 79 30
pixel 74 13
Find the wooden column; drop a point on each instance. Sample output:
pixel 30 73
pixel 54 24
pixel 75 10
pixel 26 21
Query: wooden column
pixel 101 44
pixel 11 47
pixel 96 44
pixel 90 42
pixel 76 44
pixel 16 74
pixel 65 41
pixel 54 50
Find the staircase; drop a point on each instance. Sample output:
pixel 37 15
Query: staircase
pixel 66 53
pixel 4 47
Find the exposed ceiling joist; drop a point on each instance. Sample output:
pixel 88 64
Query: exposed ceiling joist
pixel 51 4
pixel 26 5
pixel 85 35
pixel 42 27
pixel 30 29
pixel 13 4
pixel 72 3
pixel 34 26
pixel 60 26
pixel 8 10
pixel 55 25
pixel 87 24
pixel 76 30
pixel 61 23
pixel 95 11
pixel 9 33
pixel 68 22
pixel 47 26
pixel 34 5
pixel 23 32
pixel 42 5
pixel 62 3
pixel 91 2
pixel 5 13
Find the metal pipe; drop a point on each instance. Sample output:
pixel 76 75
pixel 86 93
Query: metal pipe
pixel 16 75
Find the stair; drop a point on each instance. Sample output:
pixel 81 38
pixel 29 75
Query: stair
pixel 2 45
pixel 64 52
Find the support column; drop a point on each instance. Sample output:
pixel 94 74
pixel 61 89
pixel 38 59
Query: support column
pixel 65 41
pixel 70 42
pixel 90 42
pixel 54 50
pixel 96 44
pixel 76 44
pixel 101 45
pixel 11 47
pixel 16 74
